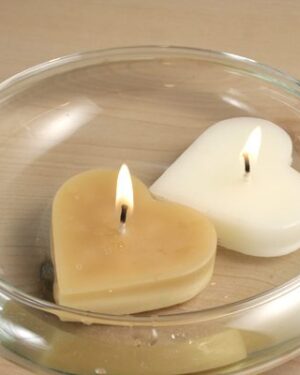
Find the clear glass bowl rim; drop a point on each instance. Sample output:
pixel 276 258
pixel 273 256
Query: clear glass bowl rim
pixel 251 67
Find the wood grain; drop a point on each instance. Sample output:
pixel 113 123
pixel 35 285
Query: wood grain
pixel 32 31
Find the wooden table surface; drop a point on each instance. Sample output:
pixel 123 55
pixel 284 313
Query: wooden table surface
pixel 33 31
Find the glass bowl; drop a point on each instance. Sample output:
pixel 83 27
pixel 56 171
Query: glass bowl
pixel 142 106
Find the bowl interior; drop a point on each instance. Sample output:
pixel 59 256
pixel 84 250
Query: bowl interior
pixel 144 110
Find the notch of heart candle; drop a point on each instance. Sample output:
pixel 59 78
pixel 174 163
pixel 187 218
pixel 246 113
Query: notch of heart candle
pixel 251 149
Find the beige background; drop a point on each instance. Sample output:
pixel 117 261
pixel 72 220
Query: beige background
pixel 32 31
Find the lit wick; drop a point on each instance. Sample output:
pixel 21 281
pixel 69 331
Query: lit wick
pixel 123 216
pixel 251 150
pixel 124 196
pixel 247 163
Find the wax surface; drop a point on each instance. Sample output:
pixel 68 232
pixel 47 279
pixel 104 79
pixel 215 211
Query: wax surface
pixel 259 215
pixel 165 257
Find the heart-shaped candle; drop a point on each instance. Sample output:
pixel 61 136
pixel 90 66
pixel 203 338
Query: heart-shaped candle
pixel 238 172
pixel 162 254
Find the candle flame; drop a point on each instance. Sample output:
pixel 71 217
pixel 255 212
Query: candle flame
pixel 124 192
pixel 252 145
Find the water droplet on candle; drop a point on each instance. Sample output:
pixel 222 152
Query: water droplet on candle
pixel 169 85
pixel 137 342
pixel 154 332
pixel 173 336
pixel 190 342
pixel 213 283
pixel 154 336
pixel 100 371
pixel 79 267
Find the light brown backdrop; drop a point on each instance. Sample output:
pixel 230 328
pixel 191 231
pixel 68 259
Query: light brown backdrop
pixel 32 31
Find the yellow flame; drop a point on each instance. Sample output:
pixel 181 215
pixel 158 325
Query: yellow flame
pixel 124 193
pixel 252 145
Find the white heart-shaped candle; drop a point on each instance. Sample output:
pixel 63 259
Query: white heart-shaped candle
pixel 256 213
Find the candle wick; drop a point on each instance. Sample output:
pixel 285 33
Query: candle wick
pixel 123 216
pixel 247 163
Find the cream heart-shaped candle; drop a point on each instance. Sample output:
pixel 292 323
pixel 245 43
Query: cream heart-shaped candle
pixel 254 202
pixel 162 254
